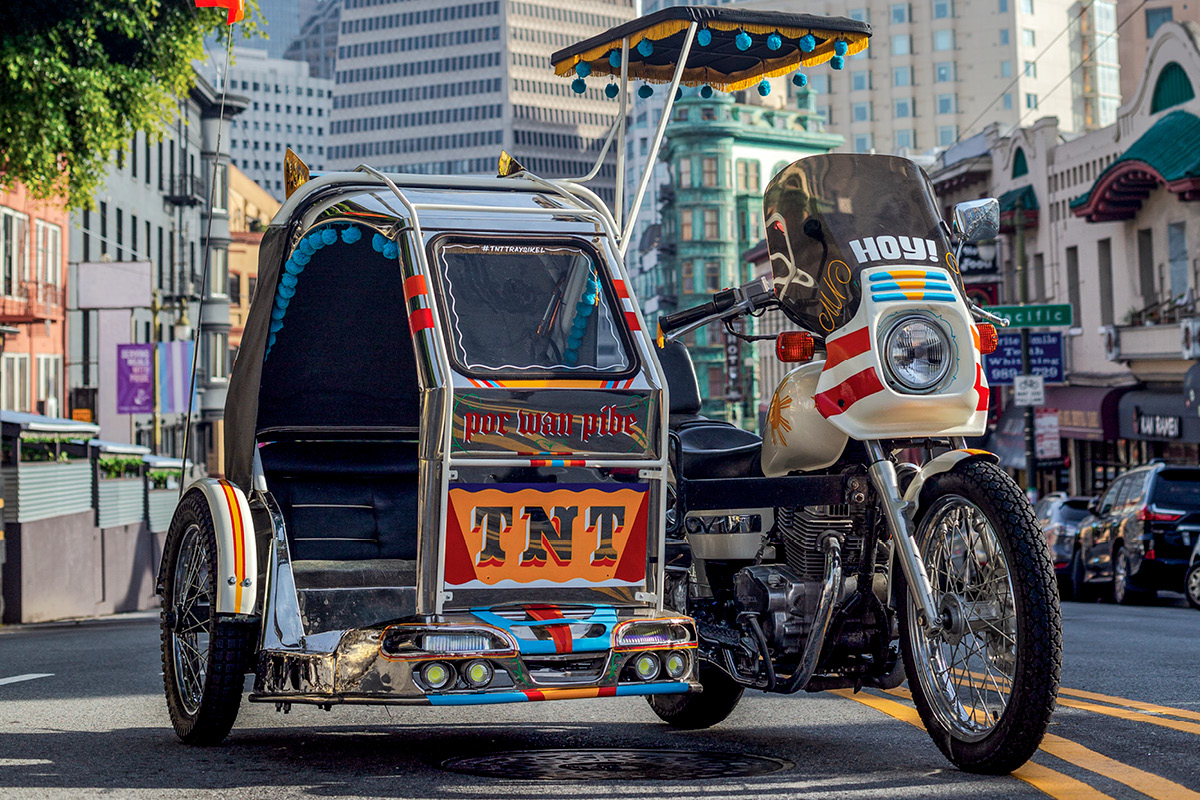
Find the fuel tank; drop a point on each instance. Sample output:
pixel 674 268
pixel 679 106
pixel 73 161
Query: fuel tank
pixel 796 436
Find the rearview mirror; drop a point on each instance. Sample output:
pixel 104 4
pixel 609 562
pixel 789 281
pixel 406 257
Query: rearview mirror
pixel 977 220
pixel 1094 505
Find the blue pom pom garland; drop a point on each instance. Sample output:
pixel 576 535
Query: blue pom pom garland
pixel 645 47
pixel 774 41
pixel 611 91
pixel 743 41
pixel 645 90
pixel 579 86
pixel 800 79
pixel 837 62
pixel 704 37
pixel 583 69
pixel 840 47
pixel 807 43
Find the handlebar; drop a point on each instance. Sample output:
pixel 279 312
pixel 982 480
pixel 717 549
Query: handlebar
pixel 751 296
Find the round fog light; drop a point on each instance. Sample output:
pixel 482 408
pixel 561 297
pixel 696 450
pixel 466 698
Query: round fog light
pixel 646 667
pixel 436 675
pixel 677 664
pixel 478 673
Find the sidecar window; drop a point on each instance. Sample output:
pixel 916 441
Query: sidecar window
pixel 530 308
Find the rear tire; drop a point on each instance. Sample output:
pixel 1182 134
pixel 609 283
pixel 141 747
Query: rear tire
pixel 691 712
pixel 993 582
pixel 1191 586
pixel 204 657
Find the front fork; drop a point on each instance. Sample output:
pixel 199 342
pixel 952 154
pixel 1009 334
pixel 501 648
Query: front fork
pixel 882 473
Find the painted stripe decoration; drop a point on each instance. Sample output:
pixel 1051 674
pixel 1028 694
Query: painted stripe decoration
pixel 982 388
pixel 239 552
pixel 556 462
pixel 836 400
pixel 631 318
pixel 847 346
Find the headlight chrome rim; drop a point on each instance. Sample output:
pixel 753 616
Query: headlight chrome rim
pixel 894 374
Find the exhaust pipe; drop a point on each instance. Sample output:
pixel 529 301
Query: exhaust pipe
pixel 816 635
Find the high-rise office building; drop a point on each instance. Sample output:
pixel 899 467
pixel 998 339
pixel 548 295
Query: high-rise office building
pixel 283 21
pixel 439 86
pixel 288 108
pixel 939 71
pixel 317 41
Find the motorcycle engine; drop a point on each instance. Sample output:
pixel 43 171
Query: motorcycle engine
pixel 801 529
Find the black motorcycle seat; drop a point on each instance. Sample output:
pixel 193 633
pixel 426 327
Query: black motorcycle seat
pixel 714 449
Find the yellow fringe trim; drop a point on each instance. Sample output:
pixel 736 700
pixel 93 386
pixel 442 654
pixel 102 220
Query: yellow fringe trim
pixel 698 76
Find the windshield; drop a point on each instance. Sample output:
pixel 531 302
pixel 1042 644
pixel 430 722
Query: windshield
pixel 828 217
pixel 529 308
pixel 1073 510
pixel 1177 488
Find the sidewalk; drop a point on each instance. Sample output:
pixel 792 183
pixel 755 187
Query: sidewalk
pixel 75 622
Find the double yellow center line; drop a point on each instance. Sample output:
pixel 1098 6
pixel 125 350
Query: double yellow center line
pixel 1057 784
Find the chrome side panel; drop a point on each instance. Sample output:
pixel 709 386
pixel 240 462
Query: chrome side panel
pixel 282 625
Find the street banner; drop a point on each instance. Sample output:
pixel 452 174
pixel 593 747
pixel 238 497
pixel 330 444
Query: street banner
pixel 174 376
pixel 135 378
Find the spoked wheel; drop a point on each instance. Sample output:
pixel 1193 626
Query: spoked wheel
pixel 695 711
pixel 985 676
pixel 204 658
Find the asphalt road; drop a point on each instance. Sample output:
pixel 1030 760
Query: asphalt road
pixel 1128 725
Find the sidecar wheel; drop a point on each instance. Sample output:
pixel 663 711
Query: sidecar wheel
pixel 204 658
pixel 985 680
pixel 691 712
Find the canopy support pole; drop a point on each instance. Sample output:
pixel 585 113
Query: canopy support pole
pixel 608 140
pixel 652 156
pixel 620 194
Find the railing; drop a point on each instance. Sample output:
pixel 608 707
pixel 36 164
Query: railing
pixel 185 190
pixel 33 301
pixel 1167 312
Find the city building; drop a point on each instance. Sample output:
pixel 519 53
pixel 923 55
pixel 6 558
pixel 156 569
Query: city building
pixel 442 88
pixel 251 209
pixel 283 22
pixel 721 151
pixel 154 207
pixel 1144 20
pixel 939 71
pixel 288 108
pixel 317 41
pixel 1110 225
pixel 33 273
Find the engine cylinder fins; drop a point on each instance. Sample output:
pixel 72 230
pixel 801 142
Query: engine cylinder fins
pixel 802 529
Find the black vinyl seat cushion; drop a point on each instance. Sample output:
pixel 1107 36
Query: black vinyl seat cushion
pixel 346 501
pixel 711 448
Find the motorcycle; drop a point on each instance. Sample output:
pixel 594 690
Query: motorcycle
pixel 860 540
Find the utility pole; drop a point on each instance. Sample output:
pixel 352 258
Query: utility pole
pixel 1023 269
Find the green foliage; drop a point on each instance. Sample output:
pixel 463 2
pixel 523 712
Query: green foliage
pixel 159 478
pixel 79 77
pixel 120 466
pixel 45 447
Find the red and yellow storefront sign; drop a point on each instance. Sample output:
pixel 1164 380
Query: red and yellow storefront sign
pixel 567 535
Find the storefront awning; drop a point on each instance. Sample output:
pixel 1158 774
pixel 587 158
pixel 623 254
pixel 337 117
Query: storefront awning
pixel 1024 197
pixel 1158 417
pixel 1168 153
pixel 1085 412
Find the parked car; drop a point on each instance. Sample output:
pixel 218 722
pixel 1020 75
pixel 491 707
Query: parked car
pixel 1059 516
pixel 1140 535
pixel 1191 583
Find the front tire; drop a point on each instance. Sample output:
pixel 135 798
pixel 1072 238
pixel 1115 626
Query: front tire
pixel 985 679
pixel 204 657
pixel 691 712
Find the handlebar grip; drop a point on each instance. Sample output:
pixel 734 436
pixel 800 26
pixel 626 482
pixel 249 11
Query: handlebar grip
pixel 681 319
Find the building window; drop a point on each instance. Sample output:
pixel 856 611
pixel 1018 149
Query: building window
pixel 1005 69
pixel 716 383
pixel 235 289
pixel 687 278
pixel 48 370
pixel 14 249
pixel 1030 69
pixel 902 76
pixel 712 228
pixel 1004 37
pixel 684 173
pixel 819 83
pixel 943 40
pixel 943 72
pixel 685 225
pixel 1006 101
pixel 863 142
pixel 1155 17
pixel 712 275
pixel 904 108
pixel 218 272
pixel 708 113
pixel 905 139
pixel 1027 6
pixel 901 45
pixel 860 80
pixel 47 263
pixel 708 172
pixel 1029 37
pixel 861 112
pixel 947 135
pixel 901 13
pixel 943 9
pixel 217 357
pixel 748 176
pixel 945 104
pixel 16 382
pixel 220 198
pixel 1003 6
pixel 860 14
pixel 1030 100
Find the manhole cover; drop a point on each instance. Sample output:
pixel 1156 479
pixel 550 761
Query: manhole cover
pixel 615 764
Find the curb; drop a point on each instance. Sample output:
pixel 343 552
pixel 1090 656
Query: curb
pixel 79 622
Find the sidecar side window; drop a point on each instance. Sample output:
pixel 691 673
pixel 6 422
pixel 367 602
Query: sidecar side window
pixel 529 308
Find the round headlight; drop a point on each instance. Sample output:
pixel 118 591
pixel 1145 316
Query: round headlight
pixel 917 353
pixel 677 664
pixel 436 675
pixel 478 673
pixel 646 667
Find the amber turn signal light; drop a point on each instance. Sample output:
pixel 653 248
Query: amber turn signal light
pixel 989 339
pixel 794 346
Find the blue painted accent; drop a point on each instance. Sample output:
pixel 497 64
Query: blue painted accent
pixel 930 275
pixel 947 297
pixel 477 699
pixel 936 285
pixel 883 297
pixel 652 688
pixel 602 615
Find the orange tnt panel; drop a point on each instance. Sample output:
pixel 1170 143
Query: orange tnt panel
pixel 531 535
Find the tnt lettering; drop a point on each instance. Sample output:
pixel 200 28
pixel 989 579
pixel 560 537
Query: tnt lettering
pixel 490 522
pixel 549 534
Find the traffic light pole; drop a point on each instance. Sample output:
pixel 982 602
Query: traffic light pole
pixel 1026 369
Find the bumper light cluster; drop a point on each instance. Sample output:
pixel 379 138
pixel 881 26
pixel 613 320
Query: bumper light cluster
pixel 438 675
pixel 650 666
pixel 654 634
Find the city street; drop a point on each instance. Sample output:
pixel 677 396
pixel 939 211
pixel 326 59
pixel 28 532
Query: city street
pixel 81 713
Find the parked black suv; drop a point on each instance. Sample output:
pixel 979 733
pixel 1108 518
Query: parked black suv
pixel 1140 536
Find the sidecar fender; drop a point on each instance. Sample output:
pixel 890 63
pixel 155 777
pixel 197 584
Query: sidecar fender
pixel 943 463
pixel 237 554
